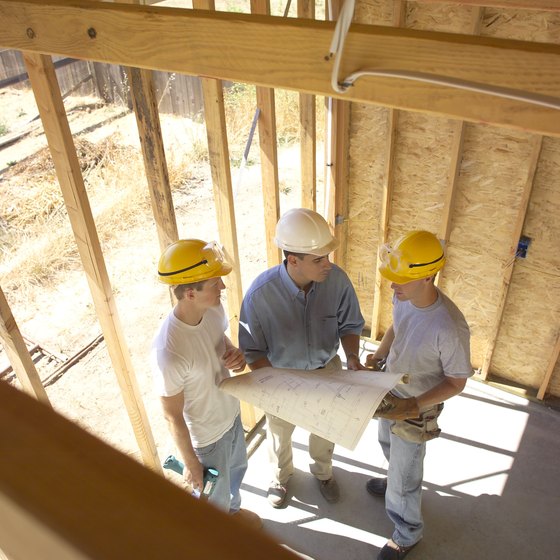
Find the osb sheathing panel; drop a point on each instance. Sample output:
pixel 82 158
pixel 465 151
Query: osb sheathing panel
pixel 421 164
pixel 445 18
pixel 532 312
pixel 493 174
pixel 492 177
pixel 366 164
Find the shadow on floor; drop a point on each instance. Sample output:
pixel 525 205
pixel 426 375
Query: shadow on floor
pixel 491 488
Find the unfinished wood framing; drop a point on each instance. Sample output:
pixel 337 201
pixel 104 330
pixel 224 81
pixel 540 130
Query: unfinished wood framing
pixel 57 131
pixel 455 162
pixel 508 272
pixel 17 352
pixel 399 20
pixel 221 45
pixel 218 150
pixel 155 164
pixel 465 181
pixel 269 156
pixel 336 180
pixel 307 119
pixel 336 187
pixel 65 494
pixel 479 207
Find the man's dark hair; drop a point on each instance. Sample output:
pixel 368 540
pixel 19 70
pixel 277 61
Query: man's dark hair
pixel 299 256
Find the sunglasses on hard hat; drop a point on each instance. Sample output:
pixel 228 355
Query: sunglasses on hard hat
pixel 396 262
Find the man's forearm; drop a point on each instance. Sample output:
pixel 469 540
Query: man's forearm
pixel 385 344
pixel 182 438
pixel 448 388
pixel 351 345
pixel 260 363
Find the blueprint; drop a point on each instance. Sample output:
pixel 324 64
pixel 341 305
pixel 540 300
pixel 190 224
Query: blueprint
pixel 335 404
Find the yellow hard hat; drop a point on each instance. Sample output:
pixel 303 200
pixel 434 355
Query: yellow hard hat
pixel 415 255
pixel 191 260
pixel 304 231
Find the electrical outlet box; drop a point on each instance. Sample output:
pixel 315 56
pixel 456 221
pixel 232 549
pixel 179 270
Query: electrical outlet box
pixel 523 247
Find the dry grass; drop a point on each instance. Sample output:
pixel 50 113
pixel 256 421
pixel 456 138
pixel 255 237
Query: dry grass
pixel 240 106
pixel 36 240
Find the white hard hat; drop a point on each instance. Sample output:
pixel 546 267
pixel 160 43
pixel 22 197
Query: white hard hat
pixel 303 231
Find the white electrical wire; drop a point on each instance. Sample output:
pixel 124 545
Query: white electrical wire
pixel 337 46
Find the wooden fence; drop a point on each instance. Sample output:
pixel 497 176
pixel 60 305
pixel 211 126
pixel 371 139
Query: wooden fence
pixel 176 93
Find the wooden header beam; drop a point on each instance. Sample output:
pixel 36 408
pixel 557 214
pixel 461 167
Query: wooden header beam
pixel 65 494
pixel 293 54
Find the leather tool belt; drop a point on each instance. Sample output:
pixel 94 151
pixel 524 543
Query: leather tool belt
pixel 421 429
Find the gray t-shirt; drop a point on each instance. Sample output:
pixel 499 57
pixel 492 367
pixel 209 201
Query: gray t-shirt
pixel 430 343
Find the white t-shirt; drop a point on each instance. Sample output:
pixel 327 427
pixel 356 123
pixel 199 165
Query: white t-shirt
pixel 188 358
pixel 430 343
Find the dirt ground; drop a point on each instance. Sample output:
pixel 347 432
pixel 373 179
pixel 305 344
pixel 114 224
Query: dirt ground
pixel 61 317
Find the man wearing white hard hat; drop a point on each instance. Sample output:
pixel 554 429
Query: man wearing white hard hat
pixel 296 315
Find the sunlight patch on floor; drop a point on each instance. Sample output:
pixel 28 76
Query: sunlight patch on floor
pixel 331 527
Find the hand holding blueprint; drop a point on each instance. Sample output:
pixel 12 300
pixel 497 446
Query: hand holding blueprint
pixel 336 405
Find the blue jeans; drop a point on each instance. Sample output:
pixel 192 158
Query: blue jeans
pixel 403 500
pixel 229 456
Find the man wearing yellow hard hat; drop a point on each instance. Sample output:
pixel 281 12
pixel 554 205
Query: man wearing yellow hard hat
pixel 190 356
pixel 429 340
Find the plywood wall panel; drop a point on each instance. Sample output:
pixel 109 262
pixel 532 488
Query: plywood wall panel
pixel 492 176
pixel 542 223
pixel 475 291
pixel 525 25
pixel 420 177
pixel 532 312
pixel 378 12
pixel 439 17
pixel 494 169
pixel 367 160
pixel 529 327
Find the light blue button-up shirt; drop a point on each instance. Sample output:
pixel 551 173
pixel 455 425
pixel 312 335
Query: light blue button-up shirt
pixel 279 322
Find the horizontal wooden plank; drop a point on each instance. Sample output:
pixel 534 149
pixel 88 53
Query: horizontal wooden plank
pixel 293 54
pixel 65 494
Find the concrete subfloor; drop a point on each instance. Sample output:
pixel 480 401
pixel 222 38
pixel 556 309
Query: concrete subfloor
pixel 491 487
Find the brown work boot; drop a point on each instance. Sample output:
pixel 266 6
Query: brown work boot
pixel 329 489
pixel 249 518
pixel 277 494
pixel 377 486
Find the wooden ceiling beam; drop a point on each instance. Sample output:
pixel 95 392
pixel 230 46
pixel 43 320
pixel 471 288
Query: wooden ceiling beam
pixel 291 53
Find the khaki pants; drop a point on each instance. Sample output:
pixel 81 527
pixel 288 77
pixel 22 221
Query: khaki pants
pixel 279 443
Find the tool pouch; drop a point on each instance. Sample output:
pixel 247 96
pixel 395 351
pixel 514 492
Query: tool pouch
pixel 421 429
